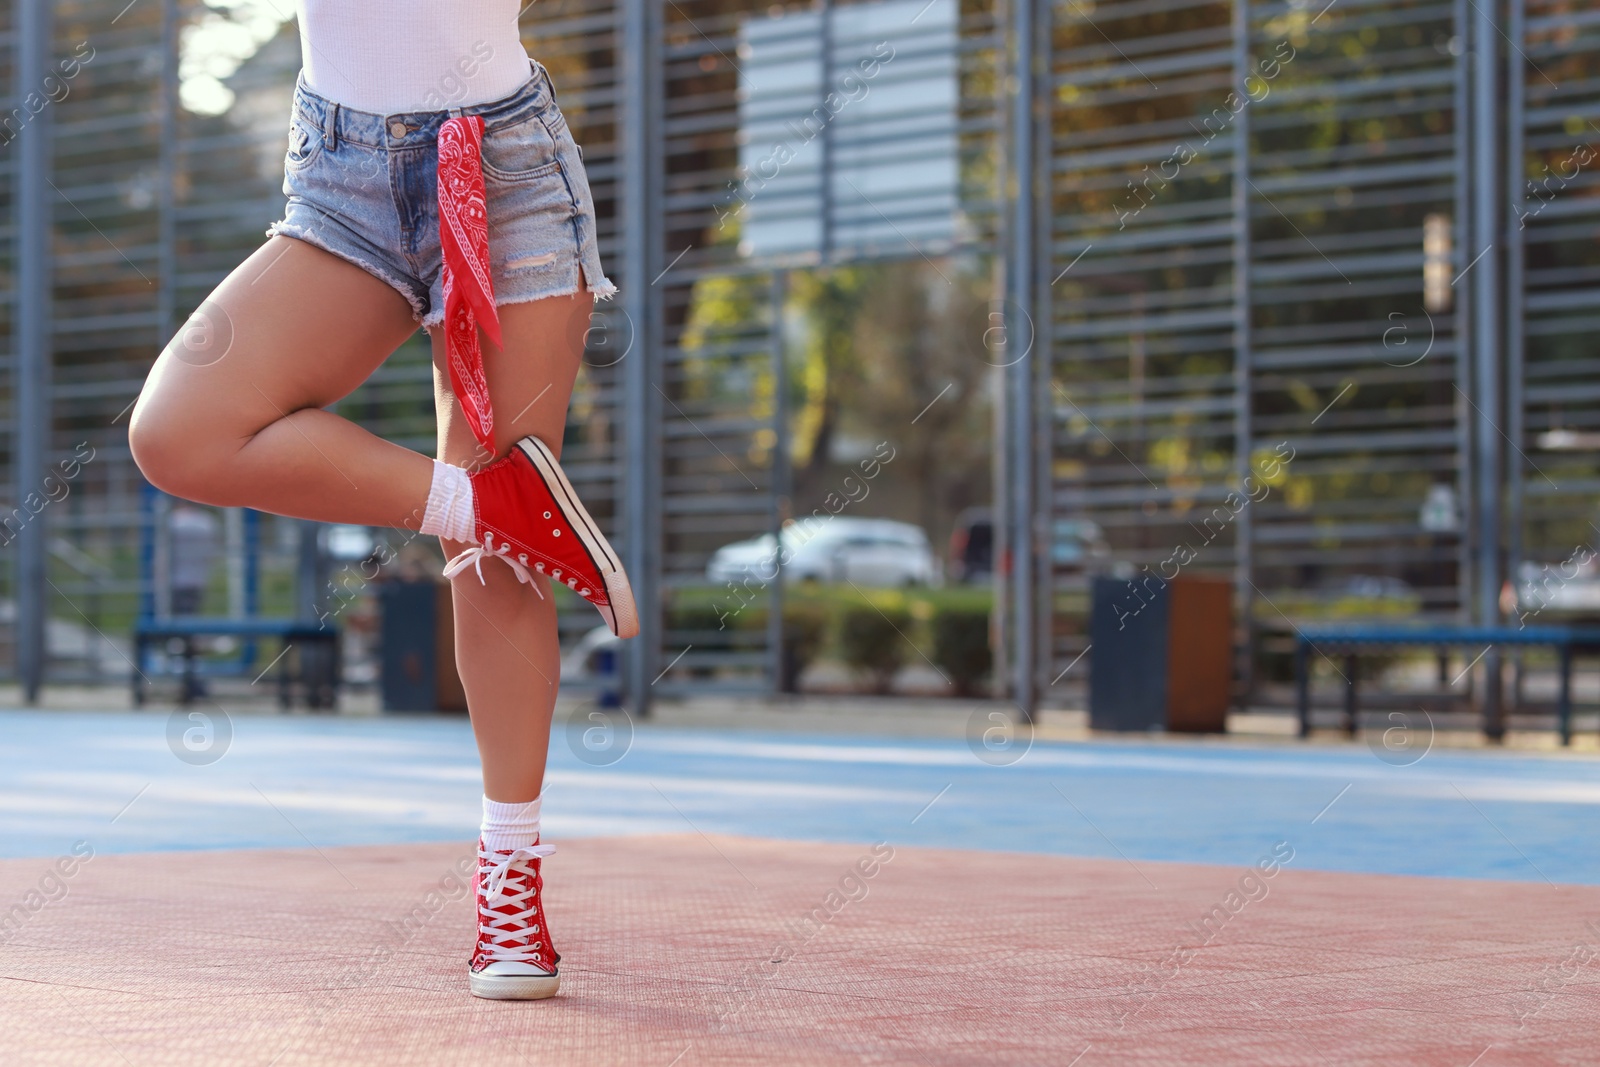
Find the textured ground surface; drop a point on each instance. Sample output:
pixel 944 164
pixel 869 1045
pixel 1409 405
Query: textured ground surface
pixel 274 891
pixel 342 956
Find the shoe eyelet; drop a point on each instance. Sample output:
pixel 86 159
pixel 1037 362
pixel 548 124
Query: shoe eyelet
pixel 555 533
pixel 547 514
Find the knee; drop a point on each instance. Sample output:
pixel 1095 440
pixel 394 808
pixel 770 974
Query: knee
pixel 169 456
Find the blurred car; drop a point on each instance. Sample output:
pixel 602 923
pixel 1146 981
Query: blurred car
pixel 588 658
pixel 1368 587
pixel 595 660
pixel 1073 543
pixel 876 552
pixel 1569 587
pixel 1078 543
pixel 1368 594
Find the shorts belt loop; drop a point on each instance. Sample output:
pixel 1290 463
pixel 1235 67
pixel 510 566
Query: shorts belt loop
pixel 330 128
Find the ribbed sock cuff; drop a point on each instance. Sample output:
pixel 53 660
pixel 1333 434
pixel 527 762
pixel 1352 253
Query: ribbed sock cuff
pixel 509 826
pixel 449 513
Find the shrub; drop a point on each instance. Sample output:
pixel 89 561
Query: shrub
pixel 805 631
pixel 870 641
pixel 704 626
pixel 961 647
pixel 700 621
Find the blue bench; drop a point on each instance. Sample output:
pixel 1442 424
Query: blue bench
pixel 1350 639
pixel 314 666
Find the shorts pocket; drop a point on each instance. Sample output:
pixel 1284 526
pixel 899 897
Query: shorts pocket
pixel 524 152
pixel 305 144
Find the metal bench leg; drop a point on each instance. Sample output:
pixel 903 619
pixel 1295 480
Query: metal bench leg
pixel 1350 712
pixel 336 667
pixel 1494 708
pixel 285 693
pixel 138 672
pixel 1564 709
pixel 1302 684
pixel 190 688
pixel 314 673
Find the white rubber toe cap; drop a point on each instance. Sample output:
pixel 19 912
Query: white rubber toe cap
pixel 505 980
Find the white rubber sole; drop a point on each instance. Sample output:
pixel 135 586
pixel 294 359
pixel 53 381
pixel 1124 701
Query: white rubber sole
pixel 512 986
pixel 622 615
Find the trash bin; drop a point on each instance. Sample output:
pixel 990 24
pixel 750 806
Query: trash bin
pixel 417 648
pixel 1162 656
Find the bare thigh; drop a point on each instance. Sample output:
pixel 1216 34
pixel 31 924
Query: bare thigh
pixel 292 329
pixel 530 378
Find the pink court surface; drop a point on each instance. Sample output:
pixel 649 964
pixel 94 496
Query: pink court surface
pixel 689 950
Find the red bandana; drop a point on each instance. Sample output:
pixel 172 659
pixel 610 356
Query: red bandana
pixel 468 288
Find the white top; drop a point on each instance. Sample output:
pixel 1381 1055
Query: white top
pixel 390 56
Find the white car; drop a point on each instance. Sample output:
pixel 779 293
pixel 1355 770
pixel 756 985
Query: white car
pixel 868 552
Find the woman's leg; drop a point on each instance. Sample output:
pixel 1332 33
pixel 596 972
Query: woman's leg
pixel 231 414
pixel 506 643
pixel 233 417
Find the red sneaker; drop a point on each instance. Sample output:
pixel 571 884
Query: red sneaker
pixel 529 517
pixel 513 959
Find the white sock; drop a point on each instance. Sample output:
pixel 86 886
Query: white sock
pixel 509 826
pixel 449 512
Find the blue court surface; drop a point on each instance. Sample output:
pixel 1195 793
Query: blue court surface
pixel 115 779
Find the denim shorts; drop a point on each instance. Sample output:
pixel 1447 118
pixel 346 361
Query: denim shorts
pixel 365 188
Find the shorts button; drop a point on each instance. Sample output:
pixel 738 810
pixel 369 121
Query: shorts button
pixel 397 129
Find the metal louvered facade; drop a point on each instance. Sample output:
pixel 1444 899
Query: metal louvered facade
pixel 1241 194
pixel 1553 238
pixel 1207 218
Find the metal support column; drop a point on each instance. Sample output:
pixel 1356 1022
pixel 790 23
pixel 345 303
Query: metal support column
pixel 1021 259
pixel 1516 186
pixel 1244 430
pixel 1042 354
pixel 31 392
pixel 1463 250
pixel 167 182
pixel 310 574
pixel 1487 336
pixel 252 564
pixel 147 557
pixel 638 162
pixel 781 508
pixel 250 546
pixel 825 154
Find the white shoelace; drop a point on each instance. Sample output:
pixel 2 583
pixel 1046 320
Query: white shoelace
pixel 518 925
pixel 475 555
